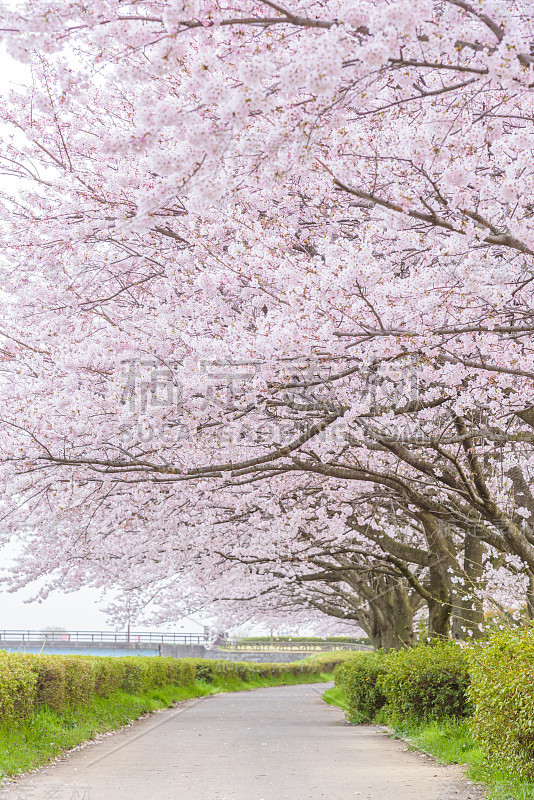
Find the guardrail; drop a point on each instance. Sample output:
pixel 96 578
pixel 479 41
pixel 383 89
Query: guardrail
pixel 102 636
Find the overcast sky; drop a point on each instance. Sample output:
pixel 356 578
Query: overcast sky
pixel 77 611
pixel 74 611
pixel 81 610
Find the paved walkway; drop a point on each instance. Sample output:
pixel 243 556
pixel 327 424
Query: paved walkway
pixel 268 744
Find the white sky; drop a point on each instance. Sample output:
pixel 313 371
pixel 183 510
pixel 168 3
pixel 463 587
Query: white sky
pixel 74 611
pixel 80 610
pixel 77 611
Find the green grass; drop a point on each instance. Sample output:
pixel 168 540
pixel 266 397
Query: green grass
pixel 33 742
pixel 449 741
pixel 502 785
pixel 335 697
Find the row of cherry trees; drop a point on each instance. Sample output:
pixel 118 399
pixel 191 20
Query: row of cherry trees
pixel 267 306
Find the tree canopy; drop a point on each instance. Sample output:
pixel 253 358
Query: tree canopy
pixel 267 305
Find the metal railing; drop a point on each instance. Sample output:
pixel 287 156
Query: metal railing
pixel 109 637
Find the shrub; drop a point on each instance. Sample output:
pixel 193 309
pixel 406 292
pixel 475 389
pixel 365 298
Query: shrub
pixel 79 680
pixel 267 670
pixel 329 662
pixel 135 676
pixel 502 694
pixel 358 678
pixel 426 682
pixel 244 671
pixel 183 672
pixel 17 686
pixel 159 672
pixel 50 685
pixel 205 669
pixel 108 674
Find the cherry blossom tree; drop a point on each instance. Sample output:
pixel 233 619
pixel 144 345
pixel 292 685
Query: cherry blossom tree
pixel 269 251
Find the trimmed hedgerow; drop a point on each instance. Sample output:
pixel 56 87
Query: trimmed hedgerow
pixel 359 679
pixel 329 661
pixel 502 695
pixel 69 682
pixel 50 686
pixel 215 670
pixel 108 675
pixel 207 669
pixel 426 682
pixel 80 674
pixel 17 687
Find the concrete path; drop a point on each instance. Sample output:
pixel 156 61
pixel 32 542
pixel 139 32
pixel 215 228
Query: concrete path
pixel 268 744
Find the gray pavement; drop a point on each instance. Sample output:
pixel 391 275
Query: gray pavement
pixel 268 744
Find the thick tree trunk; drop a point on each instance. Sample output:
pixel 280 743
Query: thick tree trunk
pixel 442 558
pixel 440 606
pixel 530 596
pixel 468 612
pixel 385 636
pixel 391 619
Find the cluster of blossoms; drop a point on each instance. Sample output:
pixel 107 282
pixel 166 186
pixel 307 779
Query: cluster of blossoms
pixel 268 305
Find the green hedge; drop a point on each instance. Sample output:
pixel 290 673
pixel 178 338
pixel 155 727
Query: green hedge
pixel 426 682
pixel 50 687
pixel 359 679
pixel 18 687
pixel 502 694
pixel 329 661
pixel 60 682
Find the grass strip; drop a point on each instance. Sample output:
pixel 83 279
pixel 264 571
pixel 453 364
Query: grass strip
pixel 33 742
pixel 335 697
